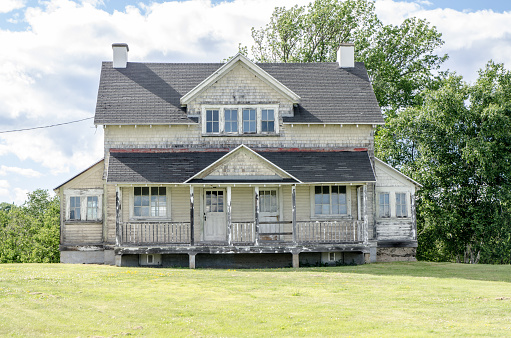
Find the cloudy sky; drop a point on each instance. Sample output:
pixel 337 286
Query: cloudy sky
pixel 51 52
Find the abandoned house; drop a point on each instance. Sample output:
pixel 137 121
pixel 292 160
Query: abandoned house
pixel 237 164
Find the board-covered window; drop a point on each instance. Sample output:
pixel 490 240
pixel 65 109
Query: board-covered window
pixel 401 205
pixel 384 204
pixel 330 200
pixel 150 202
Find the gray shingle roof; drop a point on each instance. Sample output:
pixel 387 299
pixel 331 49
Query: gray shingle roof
pixel 145 93
pixel 177 167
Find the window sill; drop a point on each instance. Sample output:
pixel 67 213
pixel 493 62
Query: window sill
pixel 75 221
pixel 331 218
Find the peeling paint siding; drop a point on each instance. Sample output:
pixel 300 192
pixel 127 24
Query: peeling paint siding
pixel 393 230
pixel 110 216
pixel 237 87
pixel 180 197
pixel 181 136
pixel 242 202
pixel 82 233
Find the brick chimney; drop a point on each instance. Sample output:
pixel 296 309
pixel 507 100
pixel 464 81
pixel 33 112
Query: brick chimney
pixel 120 54
pixel 346 55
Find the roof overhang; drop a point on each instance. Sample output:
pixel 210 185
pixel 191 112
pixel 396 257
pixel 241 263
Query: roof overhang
pixel 252 67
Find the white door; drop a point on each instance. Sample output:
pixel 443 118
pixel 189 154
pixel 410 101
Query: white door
pixel 215 225
pixel 269 212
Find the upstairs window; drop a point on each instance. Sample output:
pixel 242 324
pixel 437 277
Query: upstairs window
pixel 231 120
pixel 401 206
pixel 267 121
pixel 150 202
pixel 249 121
pixel 240 120
pixel 212 121
pixel 330 200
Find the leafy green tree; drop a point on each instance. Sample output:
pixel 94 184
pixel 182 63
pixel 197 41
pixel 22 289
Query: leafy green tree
pixel 458 145
pixel 400 60
pixel 30 233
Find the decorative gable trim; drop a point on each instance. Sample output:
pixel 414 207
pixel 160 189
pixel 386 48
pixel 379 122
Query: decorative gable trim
pixel 227 67
pixel 223 158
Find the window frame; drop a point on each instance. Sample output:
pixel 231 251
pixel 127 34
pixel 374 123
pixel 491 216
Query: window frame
pixel 82 195
pixel 240 125
pixel 330 215
pixel 388 205
pixel 168 203
pixel 405 204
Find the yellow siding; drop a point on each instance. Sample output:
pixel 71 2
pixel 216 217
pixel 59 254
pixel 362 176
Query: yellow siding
pixel 242 204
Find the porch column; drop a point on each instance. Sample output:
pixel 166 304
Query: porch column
pixel 191 260
pixel 118 226
pixel 192 230
pixel 296 260
pixel 229 232
pixel 293 201
pixel 256 192
pixel 366 218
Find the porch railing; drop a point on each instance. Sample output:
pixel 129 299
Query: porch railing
pixel 155 233
pixel 317 232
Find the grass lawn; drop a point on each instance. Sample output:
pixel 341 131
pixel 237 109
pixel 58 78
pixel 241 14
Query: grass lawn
pixel 384 299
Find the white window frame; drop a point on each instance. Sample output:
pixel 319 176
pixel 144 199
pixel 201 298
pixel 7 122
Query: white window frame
pixel 83 194
pixel 407 215
pixel 221 109
pixel 330 216
pixel 149 218
pixel 380 205
pixel 392 191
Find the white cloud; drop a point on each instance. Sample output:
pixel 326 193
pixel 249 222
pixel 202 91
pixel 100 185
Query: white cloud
pixel 7 6
pixel 12 195
pixel 4 170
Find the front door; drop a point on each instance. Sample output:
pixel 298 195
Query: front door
pixel 215 224
pixel 268 213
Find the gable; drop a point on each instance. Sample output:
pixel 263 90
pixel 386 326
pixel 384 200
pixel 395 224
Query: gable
pixel 386 176
pixel 242 164
pixel 91 177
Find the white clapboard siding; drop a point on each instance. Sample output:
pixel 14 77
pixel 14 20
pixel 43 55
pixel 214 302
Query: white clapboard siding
pixel 390 230
pixel 82 233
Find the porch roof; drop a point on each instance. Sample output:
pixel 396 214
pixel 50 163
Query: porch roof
pixel 173 166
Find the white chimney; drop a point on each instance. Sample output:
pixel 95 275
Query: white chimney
pixel 346 55
pixel 120 54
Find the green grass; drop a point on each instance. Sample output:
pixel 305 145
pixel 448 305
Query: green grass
pixel 385 299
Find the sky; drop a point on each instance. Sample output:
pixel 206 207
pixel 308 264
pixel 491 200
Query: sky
pixel 51 53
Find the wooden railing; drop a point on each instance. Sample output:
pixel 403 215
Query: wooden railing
pixel 155 233
pixel 247 233
pixel 330 231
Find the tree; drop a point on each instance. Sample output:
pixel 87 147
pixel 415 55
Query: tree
pixel 400 60
pixel 458 145
pixel 30 233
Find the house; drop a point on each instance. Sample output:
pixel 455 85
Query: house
pixel 237 164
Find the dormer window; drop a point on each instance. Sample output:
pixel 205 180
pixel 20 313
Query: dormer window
pixel 239 120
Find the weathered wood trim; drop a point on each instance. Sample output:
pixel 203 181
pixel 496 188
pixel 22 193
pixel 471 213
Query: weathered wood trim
pixel 414 218
pixel 229 225
pixel 293 206
pixel 118 234
pixel 192 210
pixel 366 216
pixel 256 196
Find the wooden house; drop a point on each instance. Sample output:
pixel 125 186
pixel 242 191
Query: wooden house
pixel 237 164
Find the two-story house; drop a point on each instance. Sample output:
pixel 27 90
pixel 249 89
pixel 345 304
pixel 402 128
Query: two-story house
pixel 237 164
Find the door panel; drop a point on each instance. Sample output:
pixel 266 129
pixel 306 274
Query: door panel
pixel 269 212
pixel 215 227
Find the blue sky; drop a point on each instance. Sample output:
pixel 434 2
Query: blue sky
pixel 51 52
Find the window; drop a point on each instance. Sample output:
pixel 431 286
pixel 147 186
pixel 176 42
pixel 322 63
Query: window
pixel 249 121
pixel 231 120
pixel 268 201
pixel 150 202
pixel 92 207
pixel 267 121
pixel 74 207
pixel 212 121
pixel 330 200
pixel 214 201
pixel 384 204
pixel 401 208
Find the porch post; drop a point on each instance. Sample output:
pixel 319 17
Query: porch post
pixel 366 218
pixel 229 234
pixel 118 228
pixel 256 191
pixel 293 201
pixel 191 260
pixel 192 230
